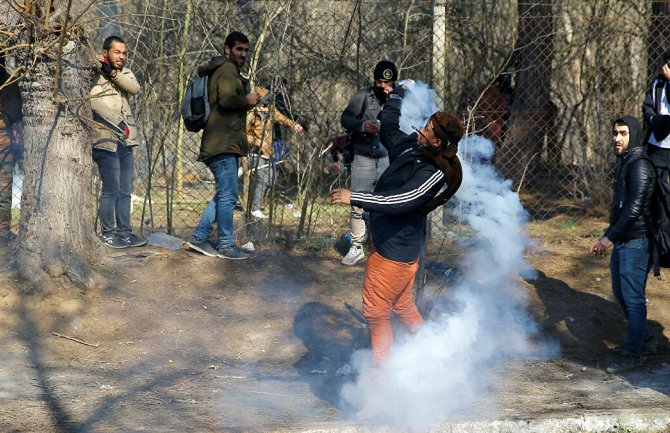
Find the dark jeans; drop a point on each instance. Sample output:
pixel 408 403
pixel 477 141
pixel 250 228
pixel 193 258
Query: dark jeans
pixel 220 209
pixel 630 267
pixel 116 172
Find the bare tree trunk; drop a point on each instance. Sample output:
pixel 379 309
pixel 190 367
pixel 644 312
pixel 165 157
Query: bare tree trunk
pixel 532 112
pixel 56 236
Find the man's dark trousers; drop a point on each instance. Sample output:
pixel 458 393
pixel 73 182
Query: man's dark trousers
pixel 630 267
pixel 116 172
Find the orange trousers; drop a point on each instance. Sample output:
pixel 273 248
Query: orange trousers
pixel 387 287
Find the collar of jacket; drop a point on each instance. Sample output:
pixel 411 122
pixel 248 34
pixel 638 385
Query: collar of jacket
pixel 213 64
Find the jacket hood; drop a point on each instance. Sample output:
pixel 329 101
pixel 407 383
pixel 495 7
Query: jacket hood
pixel 211 66
pixel 635 129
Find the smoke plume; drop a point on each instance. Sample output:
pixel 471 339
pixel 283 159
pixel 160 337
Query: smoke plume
pixel 447 370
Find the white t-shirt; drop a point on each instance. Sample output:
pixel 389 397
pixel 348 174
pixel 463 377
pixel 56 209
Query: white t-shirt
pixel 664 109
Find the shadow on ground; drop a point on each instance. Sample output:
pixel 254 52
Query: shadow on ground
pixel 587 326
pixel 331 337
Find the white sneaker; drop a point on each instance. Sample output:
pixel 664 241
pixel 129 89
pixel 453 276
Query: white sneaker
pixel 353 256
pixel 258 214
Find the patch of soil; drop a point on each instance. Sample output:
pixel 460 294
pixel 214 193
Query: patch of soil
pixel 177 341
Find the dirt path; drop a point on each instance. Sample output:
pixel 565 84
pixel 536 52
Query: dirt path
pixel 189 343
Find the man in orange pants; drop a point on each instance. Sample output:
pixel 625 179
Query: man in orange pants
pixel 408 190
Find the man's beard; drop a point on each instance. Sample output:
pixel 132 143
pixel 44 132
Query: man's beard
pixel 112 64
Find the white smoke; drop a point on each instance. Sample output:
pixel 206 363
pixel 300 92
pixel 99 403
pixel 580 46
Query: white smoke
pixel 447 370
pixel 421 99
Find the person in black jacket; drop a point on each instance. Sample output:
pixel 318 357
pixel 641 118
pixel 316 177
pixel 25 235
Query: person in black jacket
pixel 408 190
pixel 656 112
pixel 628 233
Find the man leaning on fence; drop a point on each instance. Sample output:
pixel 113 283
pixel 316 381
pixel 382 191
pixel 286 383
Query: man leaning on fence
pixel 114 137
pixel 224 141
pixel 370 158
pixel 628 236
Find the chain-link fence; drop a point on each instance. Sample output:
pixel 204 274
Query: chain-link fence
pixel 541 79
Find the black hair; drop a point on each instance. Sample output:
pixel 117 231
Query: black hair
pixel 235 38
pixel 107 44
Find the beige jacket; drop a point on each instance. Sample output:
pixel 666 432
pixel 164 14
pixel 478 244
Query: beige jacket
pixel 110 105
pixel 260 127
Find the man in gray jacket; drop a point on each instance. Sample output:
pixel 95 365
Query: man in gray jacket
pixel 361 120
pixel 114 136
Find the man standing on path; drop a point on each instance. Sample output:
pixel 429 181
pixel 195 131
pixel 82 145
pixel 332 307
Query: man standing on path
pixel 361 120
pixel 629 236
pixel 114 137
pixel 399 204
pixel 224 141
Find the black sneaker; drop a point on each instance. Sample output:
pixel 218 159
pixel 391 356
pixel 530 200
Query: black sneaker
pixel 132 240
pixel 203 247
pixel 233 253
pixel 648 349
pixel 112 240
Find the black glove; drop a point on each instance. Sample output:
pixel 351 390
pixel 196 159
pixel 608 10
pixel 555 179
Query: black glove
pixel 399 91
pixel 106 68
pixel 660 125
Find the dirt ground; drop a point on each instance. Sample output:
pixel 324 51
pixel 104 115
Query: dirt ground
pixel 179 342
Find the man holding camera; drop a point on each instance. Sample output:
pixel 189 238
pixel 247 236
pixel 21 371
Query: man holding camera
pixel 370 158
pixel 114 137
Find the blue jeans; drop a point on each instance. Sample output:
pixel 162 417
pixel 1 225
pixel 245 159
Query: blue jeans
pixel 260 179
pixel 220 209
pixel 116 172
pixel 630 267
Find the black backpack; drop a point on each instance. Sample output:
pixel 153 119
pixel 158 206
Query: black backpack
pixel 660 224
pixel 195 106
pixel 659 218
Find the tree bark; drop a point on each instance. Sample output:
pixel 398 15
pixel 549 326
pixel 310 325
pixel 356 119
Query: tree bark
pixel 56 235
pixel 532 113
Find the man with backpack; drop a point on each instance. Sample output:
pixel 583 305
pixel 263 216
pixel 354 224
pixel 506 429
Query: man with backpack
pixel 370 158
pixel 408 190
pixel 629 235
pixel 224 141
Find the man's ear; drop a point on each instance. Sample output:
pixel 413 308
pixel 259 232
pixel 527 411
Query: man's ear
pixel 226 50
pixel 105 53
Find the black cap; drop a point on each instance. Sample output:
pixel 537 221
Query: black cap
pixel 386 70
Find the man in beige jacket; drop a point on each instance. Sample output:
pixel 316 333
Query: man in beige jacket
pixel 114 136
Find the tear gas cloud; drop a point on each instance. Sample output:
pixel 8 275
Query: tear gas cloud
pixel 448 369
